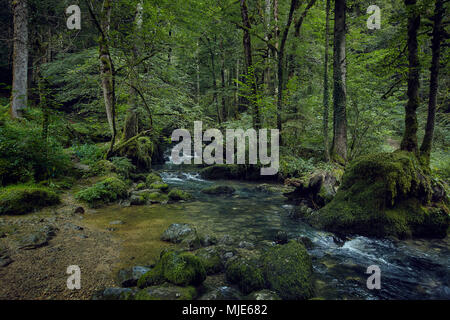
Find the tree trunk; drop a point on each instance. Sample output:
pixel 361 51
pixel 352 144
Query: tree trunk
pixel 107 73
pixel 248 60
pixel 292 9
pixel 222 78
pixel 339 147
pixel 325 85
pixel 20 58
pixel 427 142
pixel 409 142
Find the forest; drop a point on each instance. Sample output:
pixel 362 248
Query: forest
pixel 351 98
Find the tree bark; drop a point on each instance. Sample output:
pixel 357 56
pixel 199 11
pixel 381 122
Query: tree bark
pixel 248 60
pixel 107 73
pixel 409 142
pixel 20 58
pixel 427 142
pixel 338 151
pixel 325 84
pixel 294 5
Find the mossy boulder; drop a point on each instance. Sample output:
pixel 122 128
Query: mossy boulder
pixel 166 291
pixel 21 199
pixel 179 268
pixel 211 259
pixel 288 271
pixel 108 190
pixel 164 187
pixel 177 195
pixel 156 197
pixel 153 177
pixel 386 194
pixel 138 149
pixel 263 295
pixel 246 274
pixel 217 190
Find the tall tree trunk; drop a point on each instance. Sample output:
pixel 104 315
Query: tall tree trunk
pixel 213 74
pixel 409 142
pixel 20 58
pixel 427 142
pixel 325 84
pixel 248 60
pixel 294 4
pixel 107 73
pixel 222 78
pixel 276 36
pixel 339 147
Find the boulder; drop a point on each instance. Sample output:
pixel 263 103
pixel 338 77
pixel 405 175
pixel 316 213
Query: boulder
pixel 288 271
pixel 245 273
pixel 113 294
pixel 177 232
pixel 21 199
pixel 37 239
pixel 218 190
pixel 129 277
pixel 179 268
pixel 383 195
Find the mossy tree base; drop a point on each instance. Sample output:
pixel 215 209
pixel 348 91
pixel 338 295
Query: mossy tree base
pixel 387 194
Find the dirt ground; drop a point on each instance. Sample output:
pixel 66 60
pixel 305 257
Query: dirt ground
pixel 40 273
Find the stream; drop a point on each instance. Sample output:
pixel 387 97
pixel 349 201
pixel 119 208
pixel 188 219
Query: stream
pixel 412 269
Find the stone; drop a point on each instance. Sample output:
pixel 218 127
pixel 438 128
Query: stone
pixel 129 277
pixel 177 232
pixel 222 293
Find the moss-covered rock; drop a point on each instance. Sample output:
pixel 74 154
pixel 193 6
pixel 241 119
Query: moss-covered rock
pixel 177 195
pixel 217 190
pixel 288 271
pixel 138 149
pixel 246 274
pixel 156 197
pixel 179 268
pixel 20 199
pixel 164 187
pixel 263 295
pixel 166 291
pixel 183 268
pixel 153 177
pixel 385 194
pixel 211 259
pixel 103 192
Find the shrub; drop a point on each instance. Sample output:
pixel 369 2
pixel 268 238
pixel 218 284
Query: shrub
pixel 106 191
pixel 20 199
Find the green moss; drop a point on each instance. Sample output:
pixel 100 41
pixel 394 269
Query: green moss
pixel 164 187
pixel 177 195
pixel 141 186
pixel 106 191
pixel 183 268
pixel 382 195
pixel 288 271
pixel 211 260
pixel 156 197
pixel 245 274
pixel 179 268
pixel 102 167
pixel 152 277
pixel 139 150
pixel 153 177
pixel 20 199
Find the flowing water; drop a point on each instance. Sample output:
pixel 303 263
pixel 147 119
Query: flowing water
pixel 415 269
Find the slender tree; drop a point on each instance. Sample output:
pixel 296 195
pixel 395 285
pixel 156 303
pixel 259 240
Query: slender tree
pixel 325 84
pixel 20 58
pixel 409 142
pixel 339 147
pixel 107 73
pixel 427 142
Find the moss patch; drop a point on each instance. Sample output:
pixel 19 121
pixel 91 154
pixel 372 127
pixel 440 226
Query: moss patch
pixel 246 274
pixel 288 271
pixel 21 199
pixel 182 269
pixel 103 192
pixel 177 195
pixel 385 194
